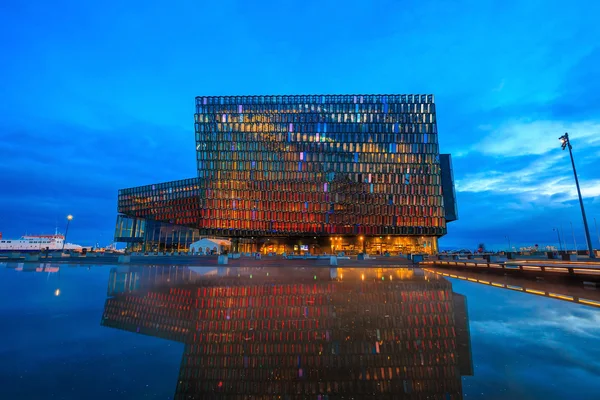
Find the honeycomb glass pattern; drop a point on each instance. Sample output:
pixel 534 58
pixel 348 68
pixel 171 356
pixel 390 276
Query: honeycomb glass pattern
pixel 173 202
pixel 318 165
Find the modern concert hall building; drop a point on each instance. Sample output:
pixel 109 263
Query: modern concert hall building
pixel 306 173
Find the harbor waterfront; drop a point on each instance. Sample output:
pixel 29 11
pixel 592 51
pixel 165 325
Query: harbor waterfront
pixel 343 200
pixel 569 268
pixel 184 332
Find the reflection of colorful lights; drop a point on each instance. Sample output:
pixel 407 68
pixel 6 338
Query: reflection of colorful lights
pixel 588 302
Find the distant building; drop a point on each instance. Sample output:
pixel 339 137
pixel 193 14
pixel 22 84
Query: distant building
pixel 304 333
pixel 314 173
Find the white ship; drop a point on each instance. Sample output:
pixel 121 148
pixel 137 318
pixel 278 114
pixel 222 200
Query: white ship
pixel 37 243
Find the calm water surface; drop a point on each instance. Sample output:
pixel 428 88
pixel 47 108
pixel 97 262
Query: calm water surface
pixel 191 333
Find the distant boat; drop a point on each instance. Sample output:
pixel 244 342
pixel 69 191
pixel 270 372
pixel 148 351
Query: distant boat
pixel 37 243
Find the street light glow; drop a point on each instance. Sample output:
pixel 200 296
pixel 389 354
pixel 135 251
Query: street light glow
pixel 565 141
pixel 69 218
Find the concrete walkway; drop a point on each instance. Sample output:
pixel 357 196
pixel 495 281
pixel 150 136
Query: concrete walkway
pixel 244 261
pixel 578 270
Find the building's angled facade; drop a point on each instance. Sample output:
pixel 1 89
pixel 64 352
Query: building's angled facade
pixel 316 172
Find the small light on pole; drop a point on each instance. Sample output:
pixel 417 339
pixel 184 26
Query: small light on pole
pixel 566 143
pixel 69 218
pixel 362 241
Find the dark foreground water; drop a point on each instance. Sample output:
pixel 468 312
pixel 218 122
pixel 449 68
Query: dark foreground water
pixel 233 333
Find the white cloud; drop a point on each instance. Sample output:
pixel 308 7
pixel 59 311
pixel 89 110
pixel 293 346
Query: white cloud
pixel 519 206
pixel 541 179
pixel 522 137
pixel 595 140
pixel 498 328
pixel 549 323
pixel 528 189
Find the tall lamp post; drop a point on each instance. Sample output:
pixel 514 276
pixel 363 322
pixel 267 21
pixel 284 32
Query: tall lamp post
pixel 597 233
pixel 508 238
pixel 566 143
pixel 69 218
pixel 559 242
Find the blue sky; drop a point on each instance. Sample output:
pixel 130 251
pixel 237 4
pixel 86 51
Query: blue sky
pixel 97 98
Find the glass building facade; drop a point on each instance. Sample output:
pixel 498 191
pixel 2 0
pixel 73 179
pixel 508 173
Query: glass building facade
pixel 159 217
pixel 319 333
pixel 307 166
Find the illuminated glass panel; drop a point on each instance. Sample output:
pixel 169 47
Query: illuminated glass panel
pixel 305 165
pixel 319 165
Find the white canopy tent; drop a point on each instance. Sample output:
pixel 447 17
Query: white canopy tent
pixel 206 246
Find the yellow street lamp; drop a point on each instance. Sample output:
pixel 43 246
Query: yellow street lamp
pixel 69 218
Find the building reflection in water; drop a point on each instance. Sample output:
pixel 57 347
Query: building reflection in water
pixel 300 333
pixel 32 267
